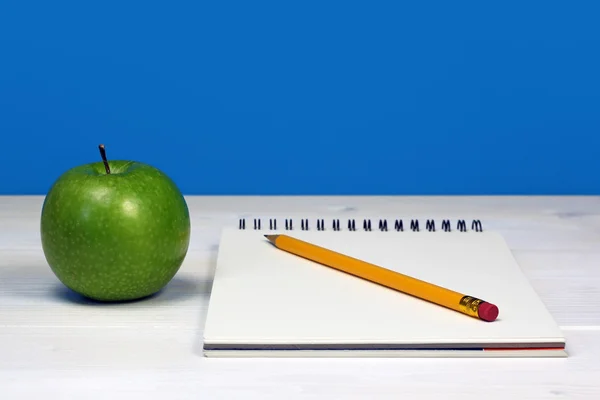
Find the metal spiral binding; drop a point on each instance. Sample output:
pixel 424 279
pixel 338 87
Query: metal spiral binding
pixel 430 225
pixel 336 224
pixel 304 224
pixel 367 226
pixel 414 225
pixel 446 225
pixel 320 225
pixel 398 225
pixel 351 225
pixel 383 225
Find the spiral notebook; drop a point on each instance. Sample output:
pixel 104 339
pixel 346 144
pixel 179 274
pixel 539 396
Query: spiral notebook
pixel 269 303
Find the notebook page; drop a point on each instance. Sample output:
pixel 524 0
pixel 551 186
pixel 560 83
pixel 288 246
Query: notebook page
pixel 264 295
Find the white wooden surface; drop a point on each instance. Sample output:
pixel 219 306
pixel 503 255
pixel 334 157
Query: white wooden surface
pixel 55 345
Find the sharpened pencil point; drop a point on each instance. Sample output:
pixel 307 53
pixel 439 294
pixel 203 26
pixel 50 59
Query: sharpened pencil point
pixel 271 238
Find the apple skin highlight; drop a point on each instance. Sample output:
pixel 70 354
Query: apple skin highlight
pixel 115 236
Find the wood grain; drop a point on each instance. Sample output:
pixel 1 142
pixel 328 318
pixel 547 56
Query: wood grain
pixel 56 344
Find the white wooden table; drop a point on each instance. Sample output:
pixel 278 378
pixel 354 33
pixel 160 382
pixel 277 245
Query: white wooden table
pixel 54 344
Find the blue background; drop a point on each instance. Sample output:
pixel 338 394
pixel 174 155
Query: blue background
pixel 301 97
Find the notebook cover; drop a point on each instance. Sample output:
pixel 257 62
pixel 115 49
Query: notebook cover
pixel 269 302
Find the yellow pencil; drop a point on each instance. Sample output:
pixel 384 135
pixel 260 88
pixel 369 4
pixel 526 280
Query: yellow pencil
pixel 462 303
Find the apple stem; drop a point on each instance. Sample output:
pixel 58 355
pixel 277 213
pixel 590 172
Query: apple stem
pixel 103 155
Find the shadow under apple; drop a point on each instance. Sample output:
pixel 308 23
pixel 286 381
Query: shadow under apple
pixel 180 288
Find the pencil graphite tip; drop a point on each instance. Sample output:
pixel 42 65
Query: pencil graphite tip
pixel 271 238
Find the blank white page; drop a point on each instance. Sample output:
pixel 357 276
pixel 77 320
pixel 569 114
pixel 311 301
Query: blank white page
pixel 265 296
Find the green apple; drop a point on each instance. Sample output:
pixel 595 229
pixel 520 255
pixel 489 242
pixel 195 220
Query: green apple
pixel 115 231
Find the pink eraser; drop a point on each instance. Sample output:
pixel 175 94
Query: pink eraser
pixel 488 312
